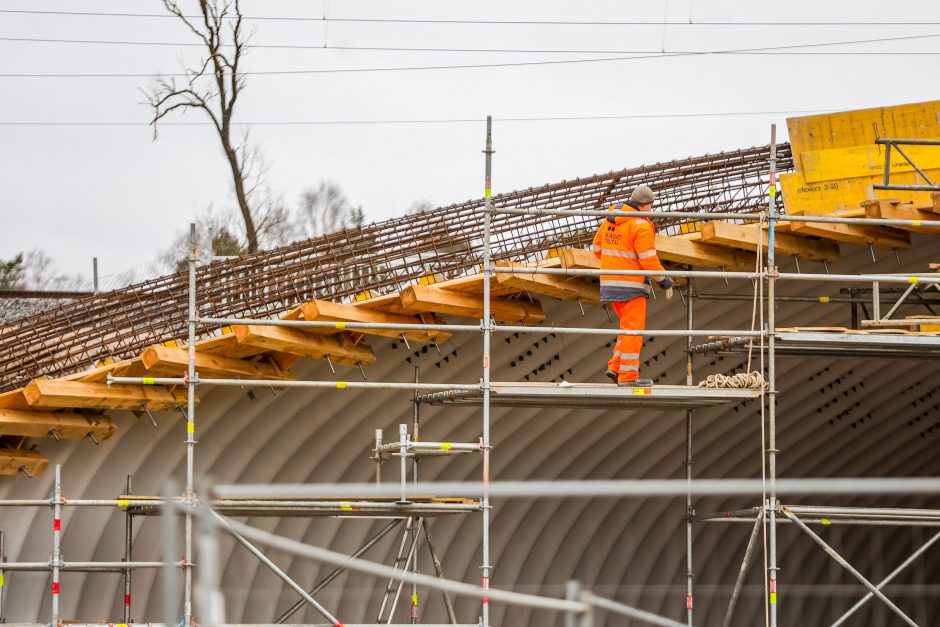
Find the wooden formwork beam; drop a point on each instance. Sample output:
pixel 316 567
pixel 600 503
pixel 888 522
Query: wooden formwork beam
pixel 56 393
pixel 880 237
pixel 553 285
pixel 335 312
pixel 892 209
pixel 214 366
pixel 424 298
pixel 340 348
pixel 67 426
pixel 13 460
pixel 748 237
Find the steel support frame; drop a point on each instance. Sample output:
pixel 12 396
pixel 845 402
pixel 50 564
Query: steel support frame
pixel 488 327
pixel 895 144
pixel 874 590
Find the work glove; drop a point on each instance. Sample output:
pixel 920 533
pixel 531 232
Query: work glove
pixel 667 284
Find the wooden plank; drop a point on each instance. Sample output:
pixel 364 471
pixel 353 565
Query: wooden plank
pixel 553 285
pixel 578 259
pixel 14 399
pixel 294 341
pixel 881 237
pixel 80 395
pixel 228 346
pixel 689 252
pixel 329 311
pixel 387 302
pixel 68 426
pixel 11 460
pixel 677 250
pixel 747 237
pixel 894 210
pixel 211 366
pixel 443 301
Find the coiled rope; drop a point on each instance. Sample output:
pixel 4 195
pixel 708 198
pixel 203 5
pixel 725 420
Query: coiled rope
pixel 752 379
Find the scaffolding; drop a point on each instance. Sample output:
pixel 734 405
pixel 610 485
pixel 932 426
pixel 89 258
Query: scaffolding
pixel 414 509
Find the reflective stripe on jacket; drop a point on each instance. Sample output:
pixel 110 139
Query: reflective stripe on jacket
pixel 626 243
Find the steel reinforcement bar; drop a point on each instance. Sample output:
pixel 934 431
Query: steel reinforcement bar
pixel 378 258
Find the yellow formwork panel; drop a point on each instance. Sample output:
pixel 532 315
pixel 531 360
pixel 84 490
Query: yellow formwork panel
pixel 837 160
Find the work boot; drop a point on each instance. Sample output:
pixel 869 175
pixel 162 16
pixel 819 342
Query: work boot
pixel 612 375
pixel 636 383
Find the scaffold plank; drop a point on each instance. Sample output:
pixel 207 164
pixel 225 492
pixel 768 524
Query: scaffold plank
pixel 830 343
pixel 41 424
pixel 339 348
pixel 78 394
pixel 592 396
pixel 216 366
pixel 423 298
pixel 747 237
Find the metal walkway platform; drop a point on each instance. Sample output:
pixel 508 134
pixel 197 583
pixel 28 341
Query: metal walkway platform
pixel 592 396
pixel 358 506
pixel 826 515
pixel 835 344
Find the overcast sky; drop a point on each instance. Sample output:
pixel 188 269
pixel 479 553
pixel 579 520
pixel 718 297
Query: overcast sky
pixel 83 190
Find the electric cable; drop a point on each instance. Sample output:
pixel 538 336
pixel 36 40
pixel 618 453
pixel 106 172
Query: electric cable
pixel 354 70
pixel 373 20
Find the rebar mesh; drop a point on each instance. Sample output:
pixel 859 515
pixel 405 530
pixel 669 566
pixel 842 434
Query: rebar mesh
pixel 377 258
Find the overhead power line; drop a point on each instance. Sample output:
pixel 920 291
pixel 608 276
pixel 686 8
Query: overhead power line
pixel 666 55
pixel 192 44
pixel 370 20
pixel 636 116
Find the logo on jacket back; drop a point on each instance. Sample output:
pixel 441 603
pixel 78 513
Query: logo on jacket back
pixel 612 236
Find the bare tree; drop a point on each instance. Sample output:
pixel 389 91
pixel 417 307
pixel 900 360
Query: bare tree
pixel 325 209
pixel 213 88
pixel 214 238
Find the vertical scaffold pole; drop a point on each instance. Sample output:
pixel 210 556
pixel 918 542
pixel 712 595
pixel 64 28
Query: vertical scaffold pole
pixel 190 434
pixel 487 330
pixel 772 379
pixel 56 543
pixel 128 534
pixel 416 437
pixel 2 560
pixel 689 511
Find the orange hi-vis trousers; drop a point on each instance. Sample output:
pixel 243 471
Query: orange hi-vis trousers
pixel 626 358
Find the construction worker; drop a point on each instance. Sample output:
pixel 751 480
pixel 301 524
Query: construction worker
pixel 628 243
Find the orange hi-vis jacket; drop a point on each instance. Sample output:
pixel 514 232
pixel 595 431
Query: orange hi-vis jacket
pixel 626 243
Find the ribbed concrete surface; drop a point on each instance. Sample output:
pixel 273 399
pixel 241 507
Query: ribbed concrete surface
pixel 836 418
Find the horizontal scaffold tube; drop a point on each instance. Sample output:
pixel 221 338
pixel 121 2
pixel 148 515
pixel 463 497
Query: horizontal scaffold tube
pixel 701 274
pixel 860 278
pixel 596 488
pixel 395 447
pixel 861 221
pixel 122 503
pixel 83 566
pixel 502 328
pixel 294 384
